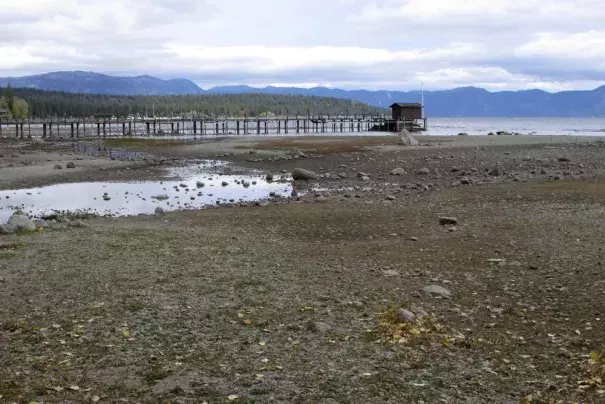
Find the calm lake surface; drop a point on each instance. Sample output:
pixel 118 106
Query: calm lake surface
pixel 197 188
pixel 541 126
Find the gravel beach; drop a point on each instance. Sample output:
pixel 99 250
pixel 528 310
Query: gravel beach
pixel 466 270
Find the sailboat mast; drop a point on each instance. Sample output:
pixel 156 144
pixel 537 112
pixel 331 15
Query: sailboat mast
pixel 422 98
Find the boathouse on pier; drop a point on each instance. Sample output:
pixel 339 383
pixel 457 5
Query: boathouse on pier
pixel 407 111
pixel 408 116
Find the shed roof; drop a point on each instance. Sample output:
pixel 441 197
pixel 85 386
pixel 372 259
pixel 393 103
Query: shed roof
pixel 407 105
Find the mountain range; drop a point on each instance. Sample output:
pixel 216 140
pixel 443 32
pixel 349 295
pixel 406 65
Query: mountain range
pixel 464 101
pixel 95 83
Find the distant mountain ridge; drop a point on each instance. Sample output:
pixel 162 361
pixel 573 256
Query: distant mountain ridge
pixel 96 83
pixel 463 102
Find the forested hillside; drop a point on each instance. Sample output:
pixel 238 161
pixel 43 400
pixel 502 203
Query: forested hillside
pixel 53 103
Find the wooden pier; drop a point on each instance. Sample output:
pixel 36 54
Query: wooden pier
pixel 83 128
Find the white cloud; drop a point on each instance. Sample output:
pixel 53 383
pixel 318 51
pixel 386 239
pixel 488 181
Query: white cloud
pixel 392 44
pixel 580 46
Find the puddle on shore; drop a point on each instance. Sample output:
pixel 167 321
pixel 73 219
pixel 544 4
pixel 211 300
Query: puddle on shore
pixel 133 198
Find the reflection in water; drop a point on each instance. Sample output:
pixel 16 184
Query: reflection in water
pixel 198 187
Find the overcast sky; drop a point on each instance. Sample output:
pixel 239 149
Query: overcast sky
pixel 372 44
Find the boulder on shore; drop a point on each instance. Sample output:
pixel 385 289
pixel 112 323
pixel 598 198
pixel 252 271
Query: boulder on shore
pixel 437 290
pixel 407 139
pixel 18 222
pixel 300 174
pixel 448 221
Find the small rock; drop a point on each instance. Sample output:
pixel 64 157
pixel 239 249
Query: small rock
pixel 58 167
pixel 405 316
pixel 159 211
pixel 465 181
pixel 391 198
pixel 162 197
pixel 423 171
pixel 224 183
pixel 419 311
pixel 319 327
pixel 437 291
pixel 299 174
pixel 564 159
pixel 413 238
pixel 447 221
pixel 494 172
pixel 462 134
pixel 398 171
pixel 71 164
pixel 200 184
pixel 269 177
pixel 321 198
pixel 390 273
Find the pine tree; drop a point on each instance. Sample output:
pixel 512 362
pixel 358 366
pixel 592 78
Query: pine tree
pixel 10 99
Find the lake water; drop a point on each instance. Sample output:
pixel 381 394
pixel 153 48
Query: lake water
pixel 539 126
pixel 132 198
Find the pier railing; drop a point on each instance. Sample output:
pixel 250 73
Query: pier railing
pixel 106 127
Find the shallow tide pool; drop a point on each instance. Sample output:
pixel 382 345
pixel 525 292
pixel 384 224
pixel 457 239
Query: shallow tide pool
pixel 196 189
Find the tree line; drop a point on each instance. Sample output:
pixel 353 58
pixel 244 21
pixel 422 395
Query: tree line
pixel 46 104
pixel 12 106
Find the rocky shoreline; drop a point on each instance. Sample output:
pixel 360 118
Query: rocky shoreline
pixel 460 270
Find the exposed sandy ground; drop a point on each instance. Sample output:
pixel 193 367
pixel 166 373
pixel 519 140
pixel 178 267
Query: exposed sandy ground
pixel 243 144
pixel 23 164
pixel 293 302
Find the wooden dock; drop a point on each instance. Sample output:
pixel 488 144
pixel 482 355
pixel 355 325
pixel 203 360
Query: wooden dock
pixel 82 128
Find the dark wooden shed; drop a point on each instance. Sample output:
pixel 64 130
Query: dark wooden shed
pixel 406 111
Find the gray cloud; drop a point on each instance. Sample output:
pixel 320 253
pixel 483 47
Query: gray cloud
pixel 394 44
